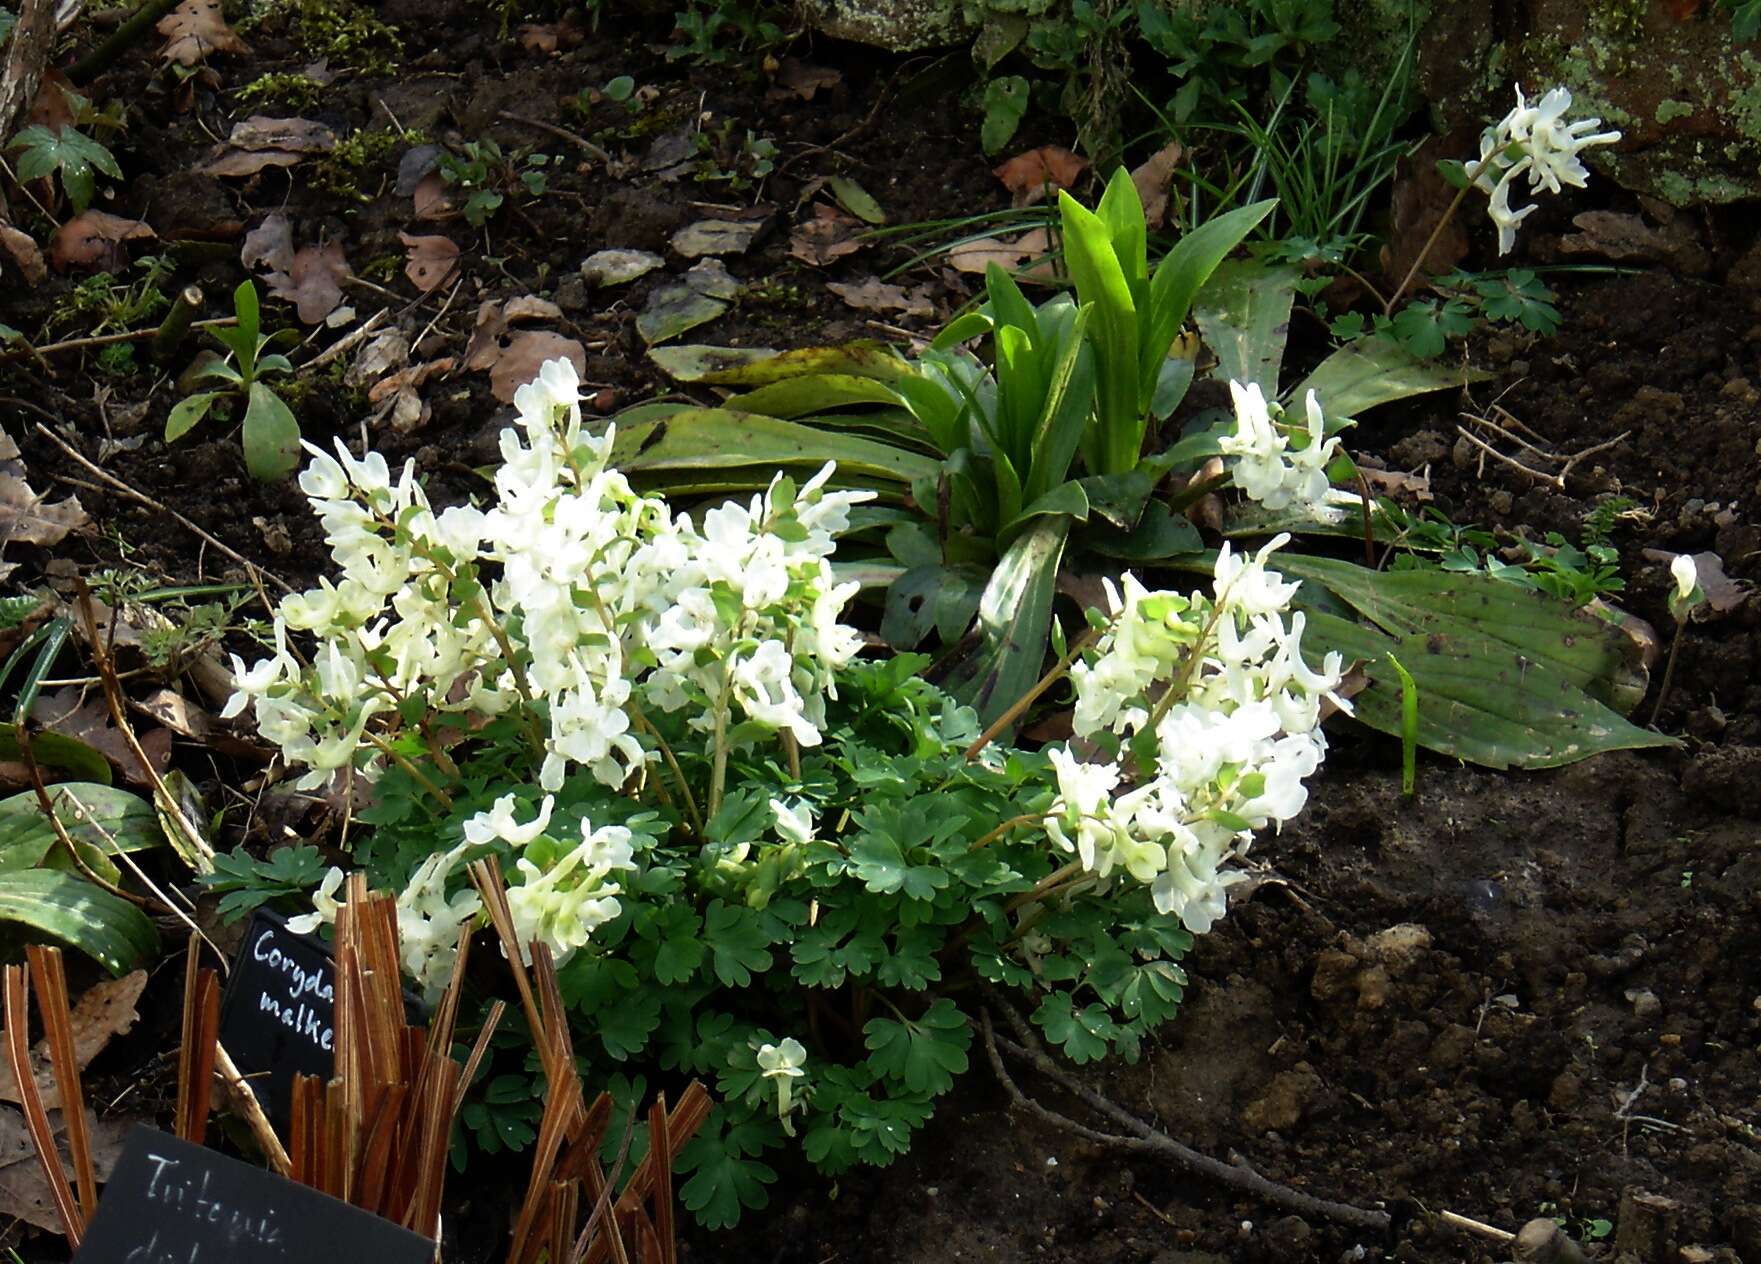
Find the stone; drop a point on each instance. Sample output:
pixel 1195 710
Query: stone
pixel 1284 1103
pixel 900 26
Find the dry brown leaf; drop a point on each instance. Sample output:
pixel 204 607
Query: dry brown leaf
pixel 875 295
pixel 270 243
pixel 239 163
pixel 409 378
pixel 177 713
pixel 1152 180
pixel 52 109
pixel 548 37
pixel 1395 483
pixel 1027 256
pixel 195 29
pixel 830 234
pixel 104 1011
pixel 23 250
pixel 288 135
pixel 25 517
pixel 432 261
pixel 1030 176
pixel 73 713
pixel 313 283
pixel 493 318
pixel 24 1190
pixel 95 240
pixel 797 79
pixel 433 200
pixel 525 354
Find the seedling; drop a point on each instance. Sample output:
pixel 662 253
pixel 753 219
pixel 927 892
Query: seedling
pixel 271 434
pixel 1684 597
pixel 487 176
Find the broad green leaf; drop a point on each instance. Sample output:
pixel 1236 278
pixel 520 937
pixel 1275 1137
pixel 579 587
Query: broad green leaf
pixel 1479 699
pixel 1586 651
pixel 1172 383
pixel 96 815
pixel 815 393
pixel 1158 536
pixel 271 435
pixel 1372 371
pixel 56 751
pixel 858 359
pixel 189 410
pixel 676 309
pixel 105 927
pixel 244 306
pixel 1112 443
pixel 704 439
pixel 1069 499
pixel 692 362
pixel 1005 105
pixel 1014 618
pixel 931 597
pixel 1244 314
pixel 197 852
pixel 856 199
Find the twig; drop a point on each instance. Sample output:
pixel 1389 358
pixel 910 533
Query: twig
pixel 105 340
pixel 245 1102
pixel 1490 1232
pixel 342 346
pixel 1511 461
pixel 561 133
pixel 1148 1140
pixel 118 485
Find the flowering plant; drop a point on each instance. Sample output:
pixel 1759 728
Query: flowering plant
pixel 756 855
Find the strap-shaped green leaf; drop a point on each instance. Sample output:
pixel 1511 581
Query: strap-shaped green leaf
pixel 107 928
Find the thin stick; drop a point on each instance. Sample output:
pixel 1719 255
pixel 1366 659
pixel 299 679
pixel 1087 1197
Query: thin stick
pixel 1027 699
pixel 245 1102
pixel 1149 1140
pixel 561 133
pixel 17 1010
pixel 64 1059
pixel 118 485
pixel 1424 253
pixel 1491 1232
pixel 105 340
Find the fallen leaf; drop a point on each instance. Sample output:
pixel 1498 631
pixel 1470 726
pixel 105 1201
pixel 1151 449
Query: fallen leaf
pixel 526 353
pixel 875 295
pixel 548 37
pixel 493 318
pixel 1624 237
pixel 270 243
pixel 418 161
pixel 718 237
pixel 1030 176
pixel 24 1189
pixel 433 199
pixel 104 1011
pixel 85 718
pixel 694 299
pixel 618 267
pixel 289 135
pixel 237 164
pixel 1028 256
pixel 1152 180
pixel 23 250
pixel 385 353
pixel 52 109
pixel 1395 483
pixel 795 78
pixel 856 199
pixel 829 235
pixel 25 517
pixel 409 378
pixel 196 28
pixel 432 261
pixel 95 240
pixel 313 283
pixel 694 361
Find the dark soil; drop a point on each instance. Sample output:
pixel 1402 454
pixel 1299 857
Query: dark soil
pixel 1508 995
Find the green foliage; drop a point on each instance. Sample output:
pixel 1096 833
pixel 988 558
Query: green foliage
pixel 1424 327
pixel 103 303
pixel 69 152
pixel 487 177
pixel 245 883
pixel 878 928
pixel 1745 19
pixel 291 89
pixel 270 434
pixel 717 32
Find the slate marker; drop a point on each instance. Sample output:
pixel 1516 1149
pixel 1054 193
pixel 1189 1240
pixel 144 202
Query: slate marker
pixel 170 1202
pixel 276 1019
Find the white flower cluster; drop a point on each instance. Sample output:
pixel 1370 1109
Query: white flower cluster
pixel 561 903
pixel 1532 139
pixel 1266 469
pixel 573 600
pixel 617 604
pixel 1219 690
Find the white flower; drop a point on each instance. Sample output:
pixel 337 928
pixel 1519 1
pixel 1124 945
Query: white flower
pixel 498 822
pixel 1265 469
pixel 1686 575
pixel 793 824
pixel 781 1064
pixel 324 906
pixel 1534 140
pixel 564 904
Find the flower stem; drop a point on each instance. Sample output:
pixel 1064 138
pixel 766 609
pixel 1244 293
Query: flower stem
pixel 1027 699
pixel 718 766
pixel 672 763
pixel 416 774
pixel 1675 645
pixel 1027 818
pixel 1448 214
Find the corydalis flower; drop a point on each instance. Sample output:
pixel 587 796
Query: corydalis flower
pixel 1687 593
pixel 781 1064
pixel 1266 469
pixel 1537 141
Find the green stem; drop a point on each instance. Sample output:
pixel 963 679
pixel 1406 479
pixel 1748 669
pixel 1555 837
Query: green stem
pixel 1027 818
pixel 672 763
pixel 1668 673
pixel 718 767
pixel 1027 699
pixel 416 774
